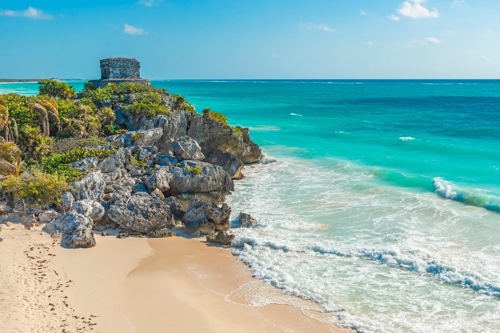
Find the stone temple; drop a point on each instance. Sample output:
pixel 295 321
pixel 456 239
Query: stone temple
pixel 119 70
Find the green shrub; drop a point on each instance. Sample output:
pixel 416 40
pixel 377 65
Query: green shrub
pixel 219 117
pixel 195 170
pixel 10 159
pixel 148 103
pixel 58 163
pixel 137 163
pixel 36 188
pixel 238 130
pixel 57 89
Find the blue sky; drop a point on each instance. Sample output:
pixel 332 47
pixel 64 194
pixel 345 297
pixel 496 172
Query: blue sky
pixel 183 39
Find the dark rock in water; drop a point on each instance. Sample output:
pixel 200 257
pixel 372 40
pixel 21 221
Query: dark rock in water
pixel 246 220
pixel 222 237
pixel 140 212
pixel 86 164
pixel 89 208
pixel 186 148
pixel 213 135
pixel 202 214
pixel 200 177
pixel 228 162
pixel 76 230
pixel 90 187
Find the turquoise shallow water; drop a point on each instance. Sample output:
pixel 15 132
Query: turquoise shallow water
pixel 378 199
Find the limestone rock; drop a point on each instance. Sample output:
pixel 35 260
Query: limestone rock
pixel 222 237
pixel 228 162
pixel 159 179
pixel 76 230
pixel 89 208
pixel 177 207
pixel 140 212
pixel 186 148
pixel 114 162
pixel 200 177
pixel 86 164
pixel 202 212
pixel 47 215
pixel 213 135
pixel 67 200
pixel 246 220
pixel 90 187
pixel 161 233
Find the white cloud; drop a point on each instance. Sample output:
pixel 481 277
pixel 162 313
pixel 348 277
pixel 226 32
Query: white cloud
pixel 134 31
pixel 433 40
pixel 458 3
pixel 30 12
pixel 393 17
pixel 316 27
pixel 415 9
pixel 150 3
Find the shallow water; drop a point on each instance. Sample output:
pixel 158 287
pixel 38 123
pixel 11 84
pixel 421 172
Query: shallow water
pixel 380 200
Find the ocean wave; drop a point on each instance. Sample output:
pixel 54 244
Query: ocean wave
pixel 420 264
pixel 295 114
pixel 476 198
pixel 265 128
pixel 406 138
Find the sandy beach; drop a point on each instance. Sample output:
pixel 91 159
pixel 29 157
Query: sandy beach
pixel 139 285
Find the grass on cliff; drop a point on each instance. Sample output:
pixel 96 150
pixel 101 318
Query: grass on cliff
pixel 219 117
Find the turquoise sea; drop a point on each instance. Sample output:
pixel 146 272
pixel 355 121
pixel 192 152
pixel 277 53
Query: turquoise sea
pixel 378 199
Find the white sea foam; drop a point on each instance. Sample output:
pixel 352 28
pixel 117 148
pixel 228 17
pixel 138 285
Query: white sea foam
pixel 295 114
pixel 268 128
pixel 406 138
pixel 381 258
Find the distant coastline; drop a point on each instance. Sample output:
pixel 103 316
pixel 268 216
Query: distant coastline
pixel 30 80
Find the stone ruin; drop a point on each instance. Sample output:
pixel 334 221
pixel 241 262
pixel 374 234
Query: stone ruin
pixel 119 70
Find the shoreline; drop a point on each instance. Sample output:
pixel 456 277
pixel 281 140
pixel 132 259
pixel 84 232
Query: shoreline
pixel 145 285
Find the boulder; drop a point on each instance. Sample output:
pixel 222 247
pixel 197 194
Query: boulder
pixel 177 207
pixel 89 208
pixel 146 137
pixel 90 187
pixel 200 213
pixel 161 233
pixel 159 179
pixel 114 161
pixel 186 148
pixel 232 165
pixel 199 177
pixel 213 135
pixel 47 215
pixel 140 212
pixel 67 200
pixel 76 230
pixel 86 164
pixel 222 237
pixel 246 220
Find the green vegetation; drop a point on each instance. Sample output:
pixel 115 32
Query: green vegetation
pixel 215 116
pixel 58 163
pixel 44 134
pixel 56 89
pixel 195 170
pixel 137 163
pixel 10 159
pixel 36 188
pixel 238 130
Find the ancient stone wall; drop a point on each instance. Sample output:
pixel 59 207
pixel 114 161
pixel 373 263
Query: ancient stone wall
pixel 120 68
